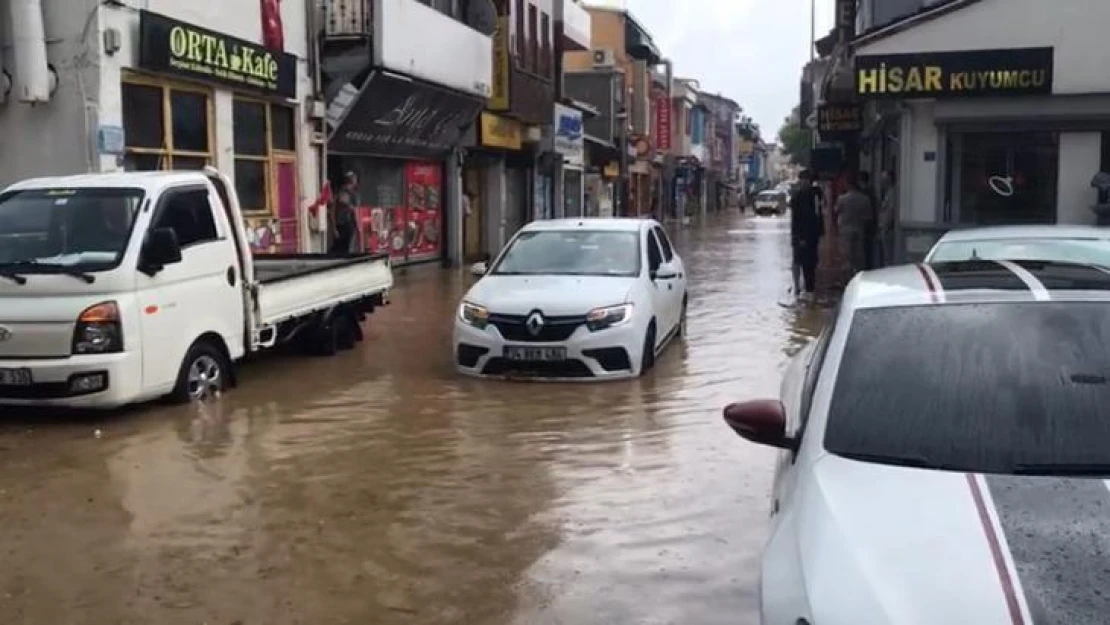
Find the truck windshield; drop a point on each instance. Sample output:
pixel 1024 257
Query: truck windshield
pixel 85 228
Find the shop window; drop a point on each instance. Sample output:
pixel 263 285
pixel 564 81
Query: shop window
pixel 1003 177
pixel 166 126
pixel 546 64
pixel 264 137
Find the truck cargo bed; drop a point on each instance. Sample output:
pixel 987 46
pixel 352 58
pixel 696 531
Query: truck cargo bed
pixel 293 285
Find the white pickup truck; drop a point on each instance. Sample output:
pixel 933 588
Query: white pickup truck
pixel 127 287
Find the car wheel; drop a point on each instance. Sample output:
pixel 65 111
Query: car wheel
pixel 647 360
pixel 204 374
pixel 682 331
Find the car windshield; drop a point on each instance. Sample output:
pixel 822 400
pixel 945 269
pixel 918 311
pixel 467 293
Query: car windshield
pixel 82 228
pixel 984 388
pixel 1087 251
pixel 768 195
pixel 572 253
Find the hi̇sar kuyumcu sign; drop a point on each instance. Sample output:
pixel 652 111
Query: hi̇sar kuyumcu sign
pixel 965 74
pixel 170 46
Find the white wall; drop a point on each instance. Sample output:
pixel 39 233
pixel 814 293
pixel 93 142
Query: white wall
pixel 55 138
pixel 918 189
pixel 415 39
pixel 1080 156
pixel 1075 28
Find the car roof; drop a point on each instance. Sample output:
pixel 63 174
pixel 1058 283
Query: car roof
pixel 148 180
pixel 980 281
pixel 997 233
pixel 613 224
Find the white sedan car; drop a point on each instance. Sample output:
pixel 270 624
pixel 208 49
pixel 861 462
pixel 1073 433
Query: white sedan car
pixel 573 299
pixel 944 452
pixel 1077 244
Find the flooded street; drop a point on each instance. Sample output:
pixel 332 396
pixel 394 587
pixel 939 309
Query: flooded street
pixel 379 487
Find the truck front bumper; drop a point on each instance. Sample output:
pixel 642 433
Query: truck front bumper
pixel 100 381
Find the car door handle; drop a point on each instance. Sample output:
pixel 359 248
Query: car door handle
pixel 231 278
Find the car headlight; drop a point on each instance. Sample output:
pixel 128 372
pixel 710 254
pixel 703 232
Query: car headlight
pixel 473 314
pixel 98 330
pixel 608 316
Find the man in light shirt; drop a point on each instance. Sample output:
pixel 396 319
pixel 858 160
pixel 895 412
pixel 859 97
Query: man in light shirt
pixel 853 213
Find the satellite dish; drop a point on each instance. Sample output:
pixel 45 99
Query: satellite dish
pixel 482 16
pixel 811 121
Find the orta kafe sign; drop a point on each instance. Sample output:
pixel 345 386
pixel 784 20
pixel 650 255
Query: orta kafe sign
pixel 170 46
pixel 963 74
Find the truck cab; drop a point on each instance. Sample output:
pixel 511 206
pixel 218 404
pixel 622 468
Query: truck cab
pixel 122 288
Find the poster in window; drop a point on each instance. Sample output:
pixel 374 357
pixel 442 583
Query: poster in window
pixel 421 226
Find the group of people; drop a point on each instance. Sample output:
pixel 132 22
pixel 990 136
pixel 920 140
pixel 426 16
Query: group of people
pixel 864 227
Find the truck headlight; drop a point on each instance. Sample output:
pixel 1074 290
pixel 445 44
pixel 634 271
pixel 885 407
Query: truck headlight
pixel 473 314
pixel 98 330
pixel 608 316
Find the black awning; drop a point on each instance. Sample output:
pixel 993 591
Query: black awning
pixel 397 116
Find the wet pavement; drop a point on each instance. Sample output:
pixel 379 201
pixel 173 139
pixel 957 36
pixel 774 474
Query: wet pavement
pixel 379 487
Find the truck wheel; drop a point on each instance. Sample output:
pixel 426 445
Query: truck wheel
pixel 338 333
pixel 205 373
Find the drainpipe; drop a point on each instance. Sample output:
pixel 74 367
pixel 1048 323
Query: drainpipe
pixel 34 80
pixel 313 27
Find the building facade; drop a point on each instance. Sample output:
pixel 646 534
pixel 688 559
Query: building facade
pixel 982 124
pixel 97 87
pixel 397 112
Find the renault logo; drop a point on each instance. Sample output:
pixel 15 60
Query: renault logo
pixel 534 323
pixel 5 334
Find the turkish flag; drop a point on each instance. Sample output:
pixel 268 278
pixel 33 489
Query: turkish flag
pixel 273 34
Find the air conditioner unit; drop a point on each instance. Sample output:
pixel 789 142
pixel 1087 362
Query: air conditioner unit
pixel 604 57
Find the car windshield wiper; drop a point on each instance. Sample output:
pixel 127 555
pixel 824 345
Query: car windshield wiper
pixel 919 462
pixel 1073 469
pixel 7 269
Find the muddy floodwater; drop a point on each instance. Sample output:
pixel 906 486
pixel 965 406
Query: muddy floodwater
pixel 379 487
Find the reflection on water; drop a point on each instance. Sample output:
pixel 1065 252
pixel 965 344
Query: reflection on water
pixel 378 487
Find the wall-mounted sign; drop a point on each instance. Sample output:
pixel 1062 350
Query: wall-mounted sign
pixel 839 120
pixel 641 147
pixel 972 73
pixel 499 96
pixel 396 116
pixel 611 170
pixel 500 132
pixel 173 47
pixel 568 134
pixel 662 130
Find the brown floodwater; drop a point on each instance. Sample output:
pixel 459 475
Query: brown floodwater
pixel 379 487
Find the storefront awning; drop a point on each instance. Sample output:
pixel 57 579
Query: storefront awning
pixel 401 117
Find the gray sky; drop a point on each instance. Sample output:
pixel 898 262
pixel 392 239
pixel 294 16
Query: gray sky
pixel 749 50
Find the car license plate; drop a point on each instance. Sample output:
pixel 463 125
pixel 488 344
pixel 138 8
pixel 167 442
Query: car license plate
pixel 547 354
pixel 15 377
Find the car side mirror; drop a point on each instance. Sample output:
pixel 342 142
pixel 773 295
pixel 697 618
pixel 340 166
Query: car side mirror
pixel 479 269
pixel 161 248
pixel 665 271
pixel 761 421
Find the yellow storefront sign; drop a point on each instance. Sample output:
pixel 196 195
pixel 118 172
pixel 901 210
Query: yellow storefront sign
pixel 501 132
pixel 499 98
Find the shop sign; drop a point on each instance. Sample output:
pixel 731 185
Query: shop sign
pixel 662 130
pixel 569 134
pixel 169 46
pixel 395 116
pixel 612 170
pixel 499 98
pixel 839 120
pixel 501 132
pixel 972 73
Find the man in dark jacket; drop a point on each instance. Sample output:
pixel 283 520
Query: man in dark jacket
pixel 346 222
pixel 806 229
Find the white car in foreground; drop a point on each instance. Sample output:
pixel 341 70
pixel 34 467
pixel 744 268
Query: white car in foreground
pixel 573 299
pixel 1075 244
pixel 944 452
